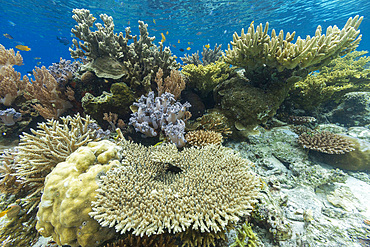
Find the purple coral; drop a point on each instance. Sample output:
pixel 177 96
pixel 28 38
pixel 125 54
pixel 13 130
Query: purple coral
pixel 10 116
pixel 63 71
pixel 156 114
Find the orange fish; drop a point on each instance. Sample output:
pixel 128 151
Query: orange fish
pixel 167 33
pixel 188 48
pixel 23 48
pixel 207 46
pixel 163 38
pixel 154 22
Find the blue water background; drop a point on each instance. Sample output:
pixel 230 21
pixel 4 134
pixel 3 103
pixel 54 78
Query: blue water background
pixel 192 22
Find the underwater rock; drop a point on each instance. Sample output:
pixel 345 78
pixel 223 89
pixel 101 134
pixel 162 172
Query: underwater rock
pixel 353 111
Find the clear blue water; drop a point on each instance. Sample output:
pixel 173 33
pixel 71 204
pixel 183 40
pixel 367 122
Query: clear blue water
pixel 194 23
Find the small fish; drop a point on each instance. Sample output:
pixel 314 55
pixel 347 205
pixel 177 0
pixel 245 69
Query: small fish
pixel 188 48
pixel 191 43
pixel 23 48
pixel 163 38
pixel 8 36
pixel 11 211
pixel 128 23
pixel 157 144
pixel 154 22
pixel 207 46
pixel 225 31
pixel 178 41
pixel 198 33
pixel 11 23
pixel 167 33
pixel 181 49
pixel 37 58
pixel 174 46
pixel 38 63
pixel 63 40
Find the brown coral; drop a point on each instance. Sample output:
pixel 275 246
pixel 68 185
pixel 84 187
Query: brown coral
pixel 161 190
pixel 52 101
pixel 200 138
pixel 145 241
pixel 326 142
pixel 173 84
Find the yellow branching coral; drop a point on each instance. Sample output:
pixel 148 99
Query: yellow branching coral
pixel 204 78
pixel 161 190
pixel 342 75
pixel 256 48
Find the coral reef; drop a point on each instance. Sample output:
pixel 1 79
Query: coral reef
pixel 272 65
pixel 204 78
pixel 340 76
pixel 208 56
pixel 110 55
pixel 11 84
pixel 161 114
pixel 200 138
pixel 52 102
pixel 154 190
pixel 326 142
pixel 69 190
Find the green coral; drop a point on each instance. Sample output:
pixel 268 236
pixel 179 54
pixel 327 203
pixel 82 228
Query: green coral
pixel 204 78
pixel 340 76
pixel 118 100
pixel 245 237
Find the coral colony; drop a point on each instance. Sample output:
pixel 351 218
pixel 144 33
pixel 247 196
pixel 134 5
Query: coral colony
pixel 82 185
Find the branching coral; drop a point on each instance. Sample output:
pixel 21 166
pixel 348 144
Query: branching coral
pixel 340 76
pixel 326 142
pixel 208 56
pixel 161 190
pixel 173 84
pixel 200 138
pixel 110 55
pixel 38 153
pixel 256 48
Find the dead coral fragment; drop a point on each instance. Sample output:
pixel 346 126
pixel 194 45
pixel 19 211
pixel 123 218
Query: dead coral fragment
pixel 326 142
pixel 200 138
pixel 161 190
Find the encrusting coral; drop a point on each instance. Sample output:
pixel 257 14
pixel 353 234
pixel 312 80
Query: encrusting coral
pixel 340 76
pixel 110 55
pixel 158 190
pixel 326 142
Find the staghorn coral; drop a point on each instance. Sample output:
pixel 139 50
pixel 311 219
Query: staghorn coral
pixel 52 101
pixel 173 84
pixel 110 55
pixel 161 114
pixel 11 85
pixel 38 153
pixel 204 78
pixel 340 76
pixel 326 142
pixel 158 190
pixel 200 138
